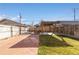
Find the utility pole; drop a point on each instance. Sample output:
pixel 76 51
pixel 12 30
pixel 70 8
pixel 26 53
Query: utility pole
pixel 11 30
pixel 32 25
pixel 20 20
pixel 74 13
pixel 74 19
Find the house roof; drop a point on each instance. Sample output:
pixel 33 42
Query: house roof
pixel 60 22
pixel 10 22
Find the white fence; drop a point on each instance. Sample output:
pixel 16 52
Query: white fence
pixel 6 31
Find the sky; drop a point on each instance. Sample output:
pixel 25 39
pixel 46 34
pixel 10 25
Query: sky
pixel 35 12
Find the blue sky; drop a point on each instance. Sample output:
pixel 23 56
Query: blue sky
pixel 39 11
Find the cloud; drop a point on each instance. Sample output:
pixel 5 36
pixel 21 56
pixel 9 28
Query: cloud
pixel 14 17
pixel 23 20
pixel 3 16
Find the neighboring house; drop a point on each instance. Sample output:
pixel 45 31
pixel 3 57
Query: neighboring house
pixel 34 29
pixel 9 28
pixel 62 27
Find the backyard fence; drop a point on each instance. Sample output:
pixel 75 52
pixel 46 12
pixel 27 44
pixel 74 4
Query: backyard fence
pixel 9 31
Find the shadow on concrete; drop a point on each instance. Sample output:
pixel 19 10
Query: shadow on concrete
pixel 31 41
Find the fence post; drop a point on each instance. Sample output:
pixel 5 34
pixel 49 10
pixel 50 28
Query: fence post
pixel 11 31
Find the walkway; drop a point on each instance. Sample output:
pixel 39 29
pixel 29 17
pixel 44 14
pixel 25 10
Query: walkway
pixel 20 45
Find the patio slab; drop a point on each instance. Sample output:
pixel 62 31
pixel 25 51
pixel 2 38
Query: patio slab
pixel 20 45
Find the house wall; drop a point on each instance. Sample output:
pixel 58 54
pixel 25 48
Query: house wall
pixel 24 29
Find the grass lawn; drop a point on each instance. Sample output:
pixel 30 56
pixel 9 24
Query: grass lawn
pixel 54 45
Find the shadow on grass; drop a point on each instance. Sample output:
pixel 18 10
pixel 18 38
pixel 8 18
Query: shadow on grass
pixel 47 40
pixel 72 37
pixel 31 41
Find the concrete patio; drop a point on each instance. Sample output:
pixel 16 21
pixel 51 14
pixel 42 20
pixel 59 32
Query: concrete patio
pixel 20 45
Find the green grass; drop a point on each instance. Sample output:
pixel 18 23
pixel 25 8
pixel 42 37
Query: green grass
pixel 54 45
